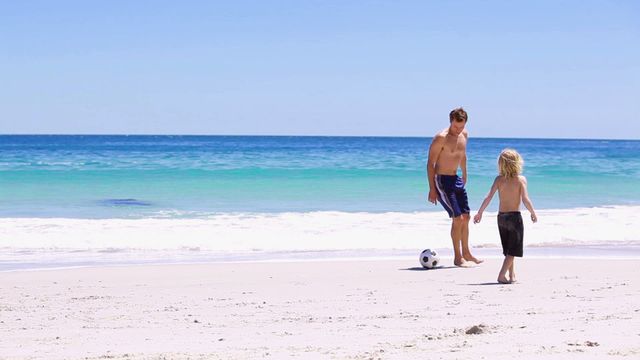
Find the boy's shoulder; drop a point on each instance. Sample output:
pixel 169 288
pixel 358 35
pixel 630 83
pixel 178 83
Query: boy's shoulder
pixel 522 181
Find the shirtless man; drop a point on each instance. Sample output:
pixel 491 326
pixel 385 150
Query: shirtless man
pixel 447 153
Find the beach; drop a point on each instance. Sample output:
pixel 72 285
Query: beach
pixel 262 180
pixel 352 309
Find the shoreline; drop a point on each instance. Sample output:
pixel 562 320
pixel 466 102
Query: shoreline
pixel 559 307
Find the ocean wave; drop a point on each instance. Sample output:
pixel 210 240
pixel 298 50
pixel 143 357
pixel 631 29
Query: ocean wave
pixel 315 231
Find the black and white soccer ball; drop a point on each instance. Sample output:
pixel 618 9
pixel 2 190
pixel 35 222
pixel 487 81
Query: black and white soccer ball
pixel 429 259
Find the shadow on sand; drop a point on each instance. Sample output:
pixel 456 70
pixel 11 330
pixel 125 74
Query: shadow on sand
pixel 419 268
pixel 487 283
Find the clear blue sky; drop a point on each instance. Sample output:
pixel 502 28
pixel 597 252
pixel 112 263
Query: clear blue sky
pixel 556 68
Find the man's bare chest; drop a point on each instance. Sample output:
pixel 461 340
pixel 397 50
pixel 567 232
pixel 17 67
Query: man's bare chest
pixel 454 146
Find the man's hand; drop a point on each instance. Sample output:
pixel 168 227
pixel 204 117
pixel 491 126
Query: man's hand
pixel 477 218
pixel 534 218
pixel 433 198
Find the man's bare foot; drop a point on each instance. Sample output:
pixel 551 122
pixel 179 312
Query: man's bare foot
pixel 461 263
pixel 512 279
pixel 504 280
pixel 474 259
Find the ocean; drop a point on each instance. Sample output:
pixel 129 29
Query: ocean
pixel 229 196
pixel 100 177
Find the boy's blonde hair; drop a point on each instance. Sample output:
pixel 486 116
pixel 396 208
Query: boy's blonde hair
pixel 510 163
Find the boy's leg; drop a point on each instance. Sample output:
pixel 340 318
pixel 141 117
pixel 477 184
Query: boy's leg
pixel 466 252
pixel 512 274
pixel 506 265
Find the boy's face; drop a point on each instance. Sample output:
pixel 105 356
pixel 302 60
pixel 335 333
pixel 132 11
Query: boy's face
pixel 457 127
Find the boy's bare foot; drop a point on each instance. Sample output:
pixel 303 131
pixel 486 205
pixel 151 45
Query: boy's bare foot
pixel 504 280
pixel 474 259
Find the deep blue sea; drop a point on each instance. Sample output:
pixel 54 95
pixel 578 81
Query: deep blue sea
pixel 194 176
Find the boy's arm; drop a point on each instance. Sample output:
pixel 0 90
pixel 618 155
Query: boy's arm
pixel 434 153
pixel 487 201
pixel 525 199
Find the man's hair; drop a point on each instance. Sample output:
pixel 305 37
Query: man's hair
pixel 510 163
pixel 458 115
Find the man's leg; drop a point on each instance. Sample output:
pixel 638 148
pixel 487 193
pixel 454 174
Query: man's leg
pixel 456 238
pixel 466 253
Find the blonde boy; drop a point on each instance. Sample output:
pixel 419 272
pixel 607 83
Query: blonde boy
pixel 512 189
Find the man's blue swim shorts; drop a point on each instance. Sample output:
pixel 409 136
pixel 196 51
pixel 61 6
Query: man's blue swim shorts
pixel 452 194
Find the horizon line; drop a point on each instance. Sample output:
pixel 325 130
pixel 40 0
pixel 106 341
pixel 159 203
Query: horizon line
pixel 325 136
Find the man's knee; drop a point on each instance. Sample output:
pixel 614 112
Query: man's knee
pixel 463 218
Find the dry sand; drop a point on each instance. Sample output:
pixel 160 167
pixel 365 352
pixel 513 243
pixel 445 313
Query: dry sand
pixel 384 309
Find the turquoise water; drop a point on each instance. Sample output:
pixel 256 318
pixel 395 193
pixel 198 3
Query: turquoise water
pixel 193 176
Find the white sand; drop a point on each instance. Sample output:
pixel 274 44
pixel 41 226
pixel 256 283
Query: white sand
pixel 343 310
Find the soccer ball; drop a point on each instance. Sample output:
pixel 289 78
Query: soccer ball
pixel 429 259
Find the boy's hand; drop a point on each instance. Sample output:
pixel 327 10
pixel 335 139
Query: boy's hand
pixel 534 218
pixel 477 218
pixel 433 198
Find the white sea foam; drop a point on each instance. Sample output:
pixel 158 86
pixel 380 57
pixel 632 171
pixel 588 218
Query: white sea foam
pixel 313 231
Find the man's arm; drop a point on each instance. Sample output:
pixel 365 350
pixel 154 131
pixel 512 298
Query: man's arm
pixel 463 162
pixel 434 153
pixel 526 201
pixel 463 166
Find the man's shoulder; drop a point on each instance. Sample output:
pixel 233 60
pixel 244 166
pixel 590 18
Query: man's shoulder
pixel 441 135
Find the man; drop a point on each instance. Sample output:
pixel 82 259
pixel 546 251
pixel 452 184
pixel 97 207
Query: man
pixel 447 153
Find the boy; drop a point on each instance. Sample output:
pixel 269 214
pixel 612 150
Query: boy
pixel 447 153
pixel 512 189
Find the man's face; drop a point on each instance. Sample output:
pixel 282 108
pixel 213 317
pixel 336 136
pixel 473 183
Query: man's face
pixel 457 127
